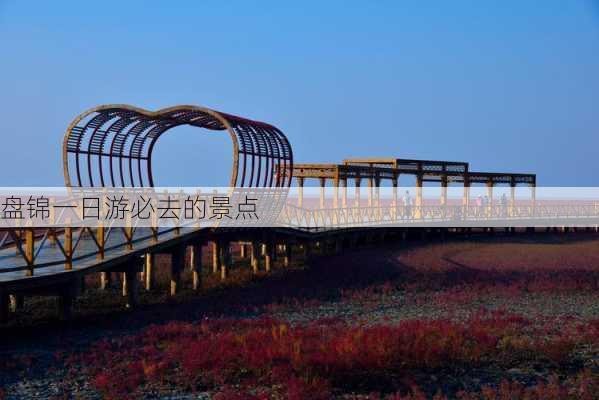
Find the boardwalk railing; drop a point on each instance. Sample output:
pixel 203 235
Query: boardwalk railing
pixel 27 249
pixel 497 215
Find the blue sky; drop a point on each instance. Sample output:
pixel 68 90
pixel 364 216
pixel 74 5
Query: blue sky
pixel 505 85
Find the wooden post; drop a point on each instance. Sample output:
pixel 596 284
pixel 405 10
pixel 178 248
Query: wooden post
pixel 300 192
pixel 100 238
pixel 268 256
pixel 105 280
pixel 149 271
pixel 533 189
pixel 225 260
pixel 105 277
pixel 466 197
pixel 52 238
pixel 358 182
pixel 377 197
pixel 512 198
pixel 29 250
pixel 131 284
pixel 128 231
pixel 17 302
pixel 335 212
pixel 177 265
pixel 196 265
pixel 68 248
pixel 255 257
pixel 444 190
pixel 12 299
pixel 377 191
pixel 242 250
pixel 418 212
pixel 287 257
pixel 343 192
pixel 215 256
pixel 395 201
pixel 323 183
pixel 124 284
pixel 490 196
pixel 336 193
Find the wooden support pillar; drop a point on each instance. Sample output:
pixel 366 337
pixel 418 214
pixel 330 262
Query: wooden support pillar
pixel 377 198
pixel 443 190
pixel 215 257
pixel 323 183
pixel 358 182
pixel 395 200
pixel 68 248
pixel 105 277
pixel 336 193
pixel 343 183
pixel 287 257
pixel 225 260
pixel 177 265
pixel 196 265
pixel 52 238
pixel 17 302
pixel 466 197
pixel 268 256
pixel 131 284
pixel 100 238
pixel 490 196
pixel 533 189
pixel 255 257
pixel 242 250
pixel 105 280
pixel 418 211
pixel 512 204
pixel 149 272
pixel 124 284
pixel 12 300
pixel 370 191
pixel 300 192
pixel 29 240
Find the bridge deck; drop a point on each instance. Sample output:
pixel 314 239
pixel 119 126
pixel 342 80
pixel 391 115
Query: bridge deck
pixel 50 260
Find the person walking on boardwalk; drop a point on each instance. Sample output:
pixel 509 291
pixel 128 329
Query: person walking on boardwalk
pixel 479 205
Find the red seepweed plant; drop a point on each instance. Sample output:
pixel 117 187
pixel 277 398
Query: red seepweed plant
pixel 314 360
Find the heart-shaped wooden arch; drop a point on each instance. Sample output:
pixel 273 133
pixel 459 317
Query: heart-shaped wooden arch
pixel 111 145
